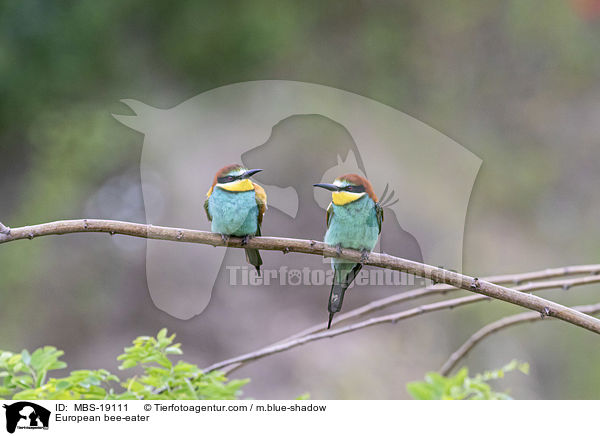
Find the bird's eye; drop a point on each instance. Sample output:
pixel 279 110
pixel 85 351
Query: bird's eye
pixel 226 179
pixel 353 188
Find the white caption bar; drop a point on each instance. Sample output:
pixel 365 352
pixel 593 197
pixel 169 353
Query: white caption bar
pixel 292 417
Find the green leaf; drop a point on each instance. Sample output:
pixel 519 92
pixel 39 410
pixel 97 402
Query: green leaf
pixel 524 367
pixel 129 363
pixel 25 357
pixel 162 334
pixel 63 384
pixel 460 386
pixel 421 391
pixel 173 350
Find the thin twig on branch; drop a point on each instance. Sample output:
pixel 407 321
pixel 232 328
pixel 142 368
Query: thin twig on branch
pixel 286 245
pixel 4 230
pixel 547 273
pixel 235 363
pixel 499 325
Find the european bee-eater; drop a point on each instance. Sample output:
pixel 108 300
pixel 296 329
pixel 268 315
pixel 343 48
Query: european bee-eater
pixel 354 219
pixel 235 207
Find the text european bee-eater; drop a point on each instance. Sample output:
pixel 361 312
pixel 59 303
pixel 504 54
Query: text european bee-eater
pixel 354 220
pixel 235 207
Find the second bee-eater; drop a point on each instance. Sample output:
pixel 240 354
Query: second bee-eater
pixel 354 219
pixel 235 207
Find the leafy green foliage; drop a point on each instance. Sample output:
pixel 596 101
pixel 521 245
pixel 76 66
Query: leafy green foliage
pixel 23 376
pixel 461 386
pixel 26 371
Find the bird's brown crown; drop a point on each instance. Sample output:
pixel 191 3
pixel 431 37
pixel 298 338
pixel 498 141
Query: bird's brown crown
pixel 357 180
pixel 226 170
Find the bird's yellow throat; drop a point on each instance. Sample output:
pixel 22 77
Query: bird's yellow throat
pixel 238 186
pixel 344 197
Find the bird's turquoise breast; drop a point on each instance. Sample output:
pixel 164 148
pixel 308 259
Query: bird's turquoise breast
pixel 354 225
pixel 233 213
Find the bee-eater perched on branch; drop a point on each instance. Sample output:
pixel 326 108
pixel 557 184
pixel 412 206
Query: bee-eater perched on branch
pixel 235 207
pixel 354 220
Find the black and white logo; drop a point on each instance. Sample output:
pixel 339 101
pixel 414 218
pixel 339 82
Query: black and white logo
pixel 26 415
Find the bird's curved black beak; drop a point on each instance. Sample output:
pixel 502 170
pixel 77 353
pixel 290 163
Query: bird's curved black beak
pixel 327 186
pixel 250 173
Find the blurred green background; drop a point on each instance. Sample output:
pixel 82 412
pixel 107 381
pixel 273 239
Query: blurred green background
pixel 515 82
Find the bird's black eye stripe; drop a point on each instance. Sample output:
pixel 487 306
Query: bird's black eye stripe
pixel 354 188
pixel 226 179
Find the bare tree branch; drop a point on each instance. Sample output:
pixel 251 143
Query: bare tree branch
pixel 286 245
pixel 499 325
pixel 443 289
pixel 393 318
pixel 235 363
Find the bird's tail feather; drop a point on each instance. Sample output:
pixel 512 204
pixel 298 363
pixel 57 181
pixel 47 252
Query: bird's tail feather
pixel 338 289
pixel 253 258
pixel 330 319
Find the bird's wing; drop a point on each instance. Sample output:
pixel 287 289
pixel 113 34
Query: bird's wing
pixel 261 201
pixel 329 214
pixel 379 213
pixel 208 194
